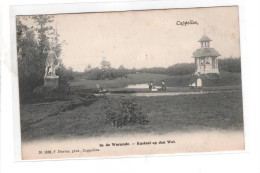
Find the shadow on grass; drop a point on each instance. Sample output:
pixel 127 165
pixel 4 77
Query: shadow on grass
pixel 86 118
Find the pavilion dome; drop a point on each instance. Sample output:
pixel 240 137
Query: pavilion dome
pixel 204 38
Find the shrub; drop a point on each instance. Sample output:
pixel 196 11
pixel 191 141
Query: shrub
pixel 42 91
pixel 123 112
pixel 181 69
pixel 223 79
pixel 232 65
pixel 48 93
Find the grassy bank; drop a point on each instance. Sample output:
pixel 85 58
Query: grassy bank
pixel 165 114
pixel 224 79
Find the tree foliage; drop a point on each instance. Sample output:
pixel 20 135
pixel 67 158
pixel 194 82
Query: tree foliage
pixel 154 70
pixel 181 69
pixel 232 65
pixel 104 72
pixel 34 33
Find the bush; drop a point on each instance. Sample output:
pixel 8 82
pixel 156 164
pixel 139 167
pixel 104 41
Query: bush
pixel 43 91
pixel 48 93
pixel 181 69
pixel 223 79
pixel 232 65
pixel 123 112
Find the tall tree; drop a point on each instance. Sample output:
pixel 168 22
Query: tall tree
pixel 106 68
pixel 122 71
pixel 105 65
pixel 31 40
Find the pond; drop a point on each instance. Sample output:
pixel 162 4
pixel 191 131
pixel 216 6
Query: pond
pixel 137 86
pixel 153 94
pixel 140 86
pixel 156 94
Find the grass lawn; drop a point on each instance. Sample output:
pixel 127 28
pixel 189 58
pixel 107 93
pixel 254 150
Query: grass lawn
pixel 119 82
pixel 85 118
pixel 226 79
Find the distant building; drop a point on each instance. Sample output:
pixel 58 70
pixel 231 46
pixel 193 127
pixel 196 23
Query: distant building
pixel 206 58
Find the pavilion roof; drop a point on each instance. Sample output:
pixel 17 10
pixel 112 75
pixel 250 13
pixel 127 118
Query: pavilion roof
pixel 204 38
pixel 205 52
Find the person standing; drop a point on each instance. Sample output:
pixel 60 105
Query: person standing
pixel 199 83
pixel 150 86
pixel 163 86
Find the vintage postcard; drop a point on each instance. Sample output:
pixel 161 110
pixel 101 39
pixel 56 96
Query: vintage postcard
pixel 127 83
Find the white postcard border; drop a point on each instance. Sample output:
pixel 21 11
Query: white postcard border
pixel 99 7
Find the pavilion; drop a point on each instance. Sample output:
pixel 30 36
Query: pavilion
pixel 206 57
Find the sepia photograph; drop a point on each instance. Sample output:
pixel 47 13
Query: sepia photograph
pixel 129 83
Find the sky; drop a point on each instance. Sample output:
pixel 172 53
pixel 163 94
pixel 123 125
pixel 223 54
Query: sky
pixel 152 38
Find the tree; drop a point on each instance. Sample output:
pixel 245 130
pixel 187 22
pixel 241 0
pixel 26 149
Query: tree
pixel 122 71
pixel 31 40
pixel 181 69
pixel 88 67
pixel 29 63
pixel 106 68
pixel 105 65
pixel 232 65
